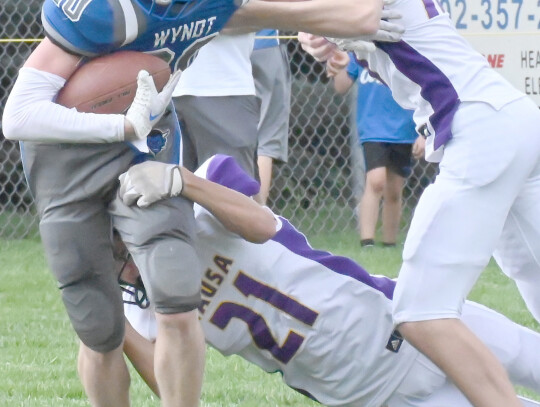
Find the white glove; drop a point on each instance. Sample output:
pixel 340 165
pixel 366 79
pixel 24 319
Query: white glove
pixel 150 182
pixel 388 32
pixel 148 105
pixel 353 44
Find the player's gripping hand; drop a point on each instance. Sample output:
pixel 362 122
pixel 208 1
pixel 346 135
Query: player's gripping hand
pixel 150 182
pixel 149 105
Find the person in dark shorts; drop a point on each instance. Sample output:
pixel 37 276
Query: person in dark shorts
pixel 388 140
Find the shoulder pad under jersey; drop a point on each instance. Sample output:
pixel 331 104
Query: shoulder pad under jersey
pixel 89 27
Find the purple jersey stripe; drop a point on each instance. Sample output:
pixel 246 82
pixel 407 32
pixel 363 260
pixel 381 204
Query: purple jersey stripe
pixel 224 170
pixel 296 242
pixel 430 8
pixel 436 88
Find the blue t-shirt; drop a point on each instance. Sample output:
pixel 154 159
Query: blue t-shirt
pixel 378 117
pixel 266 42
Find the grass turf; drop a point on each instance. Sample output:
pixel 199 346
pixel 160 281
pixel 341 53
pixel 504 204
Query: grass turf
pixel 38 347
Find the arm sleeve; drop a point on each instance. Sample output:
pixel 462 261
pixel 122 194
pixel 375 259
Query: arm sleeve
pixel 30 114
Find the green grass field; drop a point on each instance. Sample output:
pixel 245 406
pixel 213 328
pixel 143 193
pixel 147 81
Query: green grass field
pixel 38 348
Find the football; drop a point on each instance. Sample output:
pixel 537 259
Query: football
pixel 107 84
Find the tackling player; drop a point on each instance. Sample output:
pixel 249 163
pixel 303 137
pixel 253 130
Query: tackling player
pixel 72 161
pixel 319 319
pixel 484 202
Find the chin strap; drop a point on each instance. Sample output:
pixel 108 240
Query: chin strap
pixel 136 291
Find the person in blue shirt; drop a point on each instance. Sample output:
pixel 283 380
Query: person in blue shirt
pixel 386 133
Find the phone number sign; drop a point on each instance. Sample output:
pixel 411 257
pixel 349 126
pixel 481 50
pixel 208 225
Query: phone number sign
pixel 507 33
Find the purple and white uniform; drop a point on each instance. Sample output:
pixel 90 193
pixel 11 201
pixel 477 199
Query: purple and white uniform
pixel 486 135
pixel 433 69
pixel 319 319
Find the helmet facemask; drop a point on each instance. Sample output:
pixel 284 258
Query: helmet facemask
pixel 130 284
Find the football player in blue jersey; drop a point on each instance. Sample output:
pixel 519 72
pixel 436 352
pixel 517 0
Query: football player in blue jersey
pixel 72 161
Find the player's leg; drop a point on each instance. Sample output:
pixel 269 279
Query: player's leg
pixel 515 346
pixel 105 376
pixel 180 341
pixel 160 239
pixel 519 247
pixel 71 185
pixel 454 231
pixel 84 268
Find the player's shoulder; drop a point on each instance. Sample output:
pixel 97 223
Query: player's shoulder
pixel 87 27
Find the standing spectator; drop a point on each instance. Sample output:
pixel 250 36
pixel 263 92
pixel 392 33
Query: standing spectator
pixel 387 135
pixel 216 103
pixel 272 75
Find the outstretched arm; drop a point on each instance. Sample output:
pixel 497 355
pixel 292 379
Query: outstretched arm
pixel 151 181
pixel 237 212
pixel 336 18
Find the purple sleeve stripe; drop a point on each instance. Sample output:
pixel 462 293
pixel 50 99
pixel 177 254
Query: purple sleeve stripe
pixel 224 170
pixel 296 242
pixel 430 8
pixel 436 88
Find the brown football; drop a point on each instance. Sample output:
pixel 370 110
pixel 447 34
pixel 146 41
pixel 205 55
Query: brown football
pixel 107 84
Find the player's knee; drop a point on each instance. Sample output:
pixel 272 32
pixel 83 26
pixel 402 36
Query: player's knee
pixel 173 278
pixel 73 255
pixel 95 309
pixel 159 228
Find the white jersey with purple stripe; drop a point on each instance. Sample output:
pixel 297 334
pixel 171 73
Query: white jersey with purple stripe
pixel 320 320
pixel 433 69
pixel 174 32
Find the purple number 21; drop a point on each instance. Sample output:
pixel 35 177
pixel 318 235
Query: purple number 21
pixel 257 325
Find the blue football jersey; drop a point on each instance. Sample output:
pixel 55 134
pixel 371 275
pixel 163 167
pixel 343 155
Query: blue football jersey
pixel 174 32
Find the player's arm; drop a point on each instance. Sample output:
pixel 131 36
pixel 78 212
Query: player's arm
pixel 30 113
pixel 140 352
pixel 238 213
pixel 336 18
pixel 151 181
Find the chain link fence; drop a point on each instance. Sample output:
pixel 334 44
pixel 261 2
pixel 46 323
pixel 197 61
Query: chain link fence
pixel 318 188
